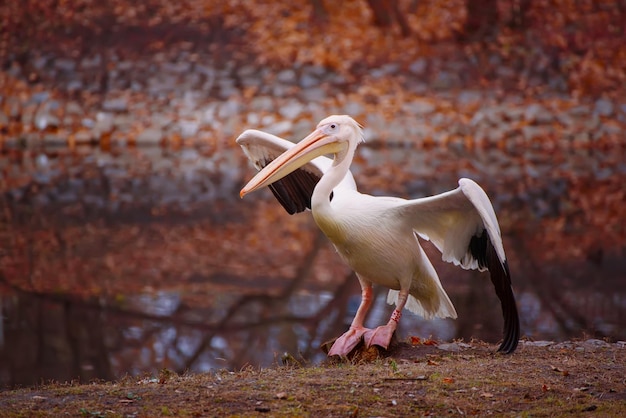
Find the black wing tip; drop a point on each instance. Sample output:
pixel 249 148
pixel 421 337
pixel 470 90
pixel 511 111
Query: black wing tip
pixel 508 347
pixel 279 192
pixel 511 333
pixel 510 343
pixel 294 191
pixel 511 317
pixel 483 250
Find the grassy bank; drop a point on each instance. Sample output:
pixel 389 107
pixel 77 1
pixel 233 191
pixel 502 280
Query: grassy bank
pixel 574 379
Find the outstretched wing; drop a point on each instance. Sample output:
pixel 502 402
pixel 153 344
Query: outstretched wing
pixel 462 224
pixel 294 190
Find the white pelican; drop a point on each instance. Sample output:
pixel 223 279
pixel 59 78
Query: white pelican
pixel 377 236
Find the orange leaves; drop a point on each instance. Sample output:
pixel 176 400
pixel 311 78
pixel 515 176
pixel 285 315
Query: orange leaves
pixel 345 38
pixel 418 341
pixel 436 20
pixel 587 41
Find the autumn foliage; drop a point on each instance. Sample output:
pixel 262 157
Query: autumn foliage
pixel 582 42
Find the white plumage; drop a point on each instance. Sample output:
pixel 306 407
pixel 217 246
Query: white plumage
pixel 377 236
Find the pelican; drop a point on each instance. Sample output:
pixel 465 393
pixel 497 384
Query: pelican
pixel 378 236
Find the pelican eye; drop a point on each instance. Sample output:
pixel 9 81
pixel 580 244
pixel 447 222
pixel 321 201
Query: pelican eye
pixel 331 128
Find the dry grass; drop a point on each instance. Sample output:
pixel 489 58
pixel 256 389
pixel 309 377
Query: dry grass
pixel 574 379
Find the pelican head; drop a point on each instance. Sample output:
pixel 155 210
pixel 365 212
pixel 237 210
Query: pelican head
pixel 336 134
pixel 342 127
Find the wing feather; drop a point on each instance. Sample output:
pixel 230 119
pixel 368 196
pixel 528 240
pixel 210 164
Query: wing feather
pixel 293 191
pixel 462 224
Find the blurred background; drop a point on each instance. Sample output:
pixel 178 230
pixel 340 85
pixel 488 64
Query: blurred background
pixel 124 246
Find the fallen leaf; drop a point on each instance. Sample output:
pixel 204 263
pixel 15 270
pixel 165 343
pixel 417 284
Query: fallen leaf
pixel 281 395
pixel 559 370
pixel 430 341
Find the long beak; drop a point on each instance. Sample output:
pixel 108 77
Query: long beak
pixel 316 144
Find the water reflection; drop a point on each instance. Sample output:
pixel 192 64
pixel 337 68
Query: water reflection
pixel 116 263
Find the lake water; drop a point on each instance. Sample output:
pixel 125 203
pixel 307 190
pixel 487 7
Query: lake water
pixel 124 262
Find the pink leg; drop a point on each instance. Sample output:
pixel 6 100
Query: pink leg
pixel 346 343
pixel 382 335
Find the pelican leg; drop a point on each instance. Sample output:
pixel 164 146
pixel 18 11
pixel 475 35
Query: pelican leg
pixel 381 336
pixel 351 338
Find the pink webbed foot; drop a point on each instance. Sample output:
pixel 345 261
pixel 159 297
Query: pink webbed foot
pixel 380 336
pixel 346 343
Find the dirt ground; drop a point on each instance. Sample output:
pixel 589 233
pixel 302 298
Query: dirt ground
pixel 585 378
